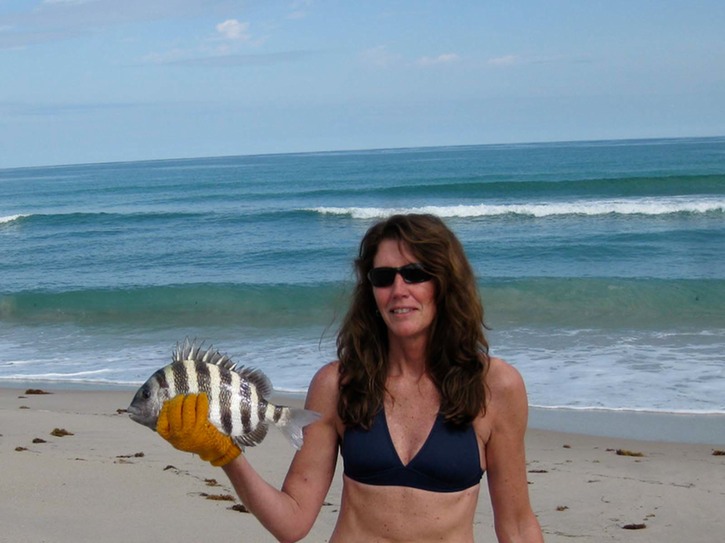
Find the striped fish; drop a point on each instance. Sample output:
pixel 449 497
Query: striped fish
pixel 238 403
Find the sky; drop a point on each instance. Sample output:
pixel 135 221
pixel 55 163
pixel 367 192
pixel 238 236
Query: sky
pixel 84 81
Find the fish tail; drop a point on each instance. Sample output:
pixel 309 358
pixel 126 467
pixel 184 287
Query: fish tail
pixel 291 421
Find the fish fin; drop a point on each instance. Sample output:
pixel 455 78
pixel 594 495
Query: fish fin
pixel 192 350
pixel 252 438
pixel 257 378
pixel 292 423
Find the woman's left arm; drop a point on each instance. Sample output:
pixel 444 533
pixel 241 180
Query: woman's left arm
pixel 507 412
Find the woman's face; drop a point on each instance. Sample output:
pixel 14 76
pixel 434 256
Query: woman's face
pixel 408 309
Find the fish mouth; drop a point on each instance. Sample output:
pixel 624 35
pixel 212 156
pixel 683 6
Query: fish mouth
pixel 134 412
pixel 138 415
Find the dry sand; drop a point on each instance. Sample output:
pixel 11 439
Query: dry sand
pixel 113 480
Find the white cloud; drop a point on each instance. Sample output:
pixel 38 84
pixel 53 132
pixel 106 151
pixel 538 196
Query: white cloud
pixel 506 60
pixel 232 36
pixel 445 58
pixel 233 30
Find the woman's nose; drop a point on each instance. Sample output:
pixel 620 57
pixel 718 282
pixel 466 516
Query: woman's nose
pixel 399 285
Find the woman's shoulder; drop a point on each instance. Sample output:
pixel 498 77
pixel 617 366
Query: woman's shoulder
pixel 323 394
pixel 502 375
pixel 506 401
pixel 326 381
pixel 505 387
pixel 329 374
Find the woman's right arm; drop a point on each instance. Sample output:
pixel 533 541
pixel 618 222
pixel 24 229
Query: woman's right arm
pixel 289 513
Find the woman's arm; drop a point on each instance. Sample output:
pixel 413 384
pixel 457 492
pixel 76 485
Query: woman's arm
pixel 289 513
pixel 514 519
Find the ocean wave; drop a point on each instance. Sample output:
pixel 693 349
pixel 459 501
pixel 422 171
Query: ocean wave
pixel 495 185
pixel 160 217
pixel 573 303
pixel 652 207
pixel 80 216
pixel 611 303
pixel 193 305
pixel 11 218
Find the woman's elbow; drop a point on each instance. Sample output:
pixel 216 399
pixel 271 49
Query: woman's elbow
pixel 291 532
pixel 293 536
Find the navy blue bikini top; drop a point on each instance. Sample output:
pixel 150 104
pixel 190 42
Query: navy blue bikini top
pixel 449 460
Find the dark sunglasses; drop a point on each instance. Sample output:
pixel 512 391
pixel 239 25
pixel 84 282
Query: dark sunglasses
pixel 411 273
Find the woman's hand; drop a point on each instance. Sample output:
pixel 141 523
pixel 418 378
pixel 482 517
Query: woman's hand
pixel 184 422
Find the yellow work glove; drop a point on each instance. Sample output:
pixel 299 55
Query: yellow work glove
pixel 184 422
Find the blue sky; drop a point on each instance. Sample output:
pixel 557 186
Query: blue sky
pixel 116 80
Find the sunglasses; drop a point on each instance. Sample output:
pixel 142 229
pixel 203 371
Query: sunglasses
pixel 411 274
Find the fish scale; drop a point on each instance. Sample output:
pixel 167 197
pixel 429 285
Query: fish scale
pixel 238 404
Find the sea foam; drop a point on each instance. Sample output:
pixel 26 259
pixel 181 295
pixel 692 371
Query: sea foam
pixel 659 206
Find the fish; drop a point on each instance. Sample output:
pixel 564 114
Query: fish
pixel 238 404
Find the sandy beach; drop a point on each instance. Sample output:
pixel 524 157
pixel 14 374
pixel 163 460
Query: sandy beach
pixel 102 477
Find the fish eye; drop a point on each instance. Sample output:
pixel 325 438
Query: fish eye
pixel 145 393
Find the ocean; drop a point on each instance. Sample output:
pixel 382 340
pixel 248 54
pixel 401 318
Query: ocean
pixel 601 264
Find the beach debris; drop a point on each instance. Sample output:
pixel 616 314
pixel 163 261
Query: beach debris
pixel 538 471
pixel 120 411
pixel 238 404
pixel 218 497
pixel 625 452
pixel 212 482
pixel 566 446
pixel 60 432
pixel 134 455
pixel 167 468
pixel 562 507
pixel 23 407
pixel 718 452
pixel 21 449
pixel 641 526
pixel 39 440
pixel 239 508
pixel 36 391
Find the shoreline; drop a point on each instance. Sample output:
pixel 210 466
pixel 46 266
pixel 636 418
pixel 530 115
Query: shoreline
pixel 695 428
pixel 641 425
pixel 113 480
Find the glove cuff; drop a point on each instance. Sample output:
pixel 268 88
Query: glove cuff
pixel 230 454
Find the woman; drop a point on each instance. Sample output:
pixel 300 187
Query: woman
pixel 416 406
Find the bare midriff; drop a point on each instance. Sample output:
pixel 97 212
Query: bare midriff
pixel 396 514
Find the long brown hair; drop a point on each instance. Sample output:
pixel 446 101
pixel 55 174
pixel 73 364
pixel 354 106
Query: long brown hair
pixel 457 348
